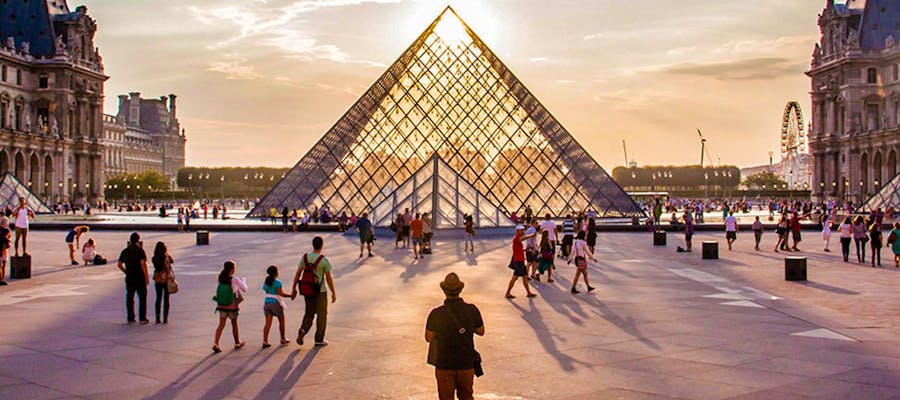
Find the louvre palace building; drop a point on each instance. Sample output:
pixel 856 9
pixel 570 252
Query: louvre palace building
pixel 855 71
pixel 54 137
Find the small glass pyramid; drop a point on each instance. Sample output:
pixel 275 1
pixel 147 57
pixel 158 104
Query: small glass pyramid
pixel 448 96
pixel 886 197
pixel 437 186
pixel 10 191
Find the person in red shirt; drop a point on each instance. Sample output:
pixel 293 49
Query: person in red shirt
pixel 795 229
pixel 518 262
pixel 416 227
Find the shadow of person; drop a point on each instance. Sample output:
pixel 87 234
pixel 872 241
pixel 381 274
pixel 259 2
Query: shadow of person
pixel 185 379
pixel 234 380
pixel 626 325
pixel 548 338
pixel 287 375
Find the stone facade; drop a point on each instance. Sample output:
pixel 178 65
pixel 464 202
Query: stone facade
pixel 51 99
pixel 855 72
pixel 144 135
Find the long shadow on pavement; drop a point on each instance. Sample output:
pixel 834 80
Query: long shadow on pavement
pixel 547 339
pixel 287 375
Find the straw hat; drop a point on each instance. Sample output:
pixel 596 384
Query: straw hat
pixel 452 284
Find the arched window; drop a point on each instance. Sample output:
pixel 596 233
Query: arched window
pixel 872 75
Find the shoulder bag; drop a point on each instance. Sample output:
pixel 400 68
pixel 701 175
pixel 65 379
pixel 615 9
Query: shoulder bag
pixel 171 283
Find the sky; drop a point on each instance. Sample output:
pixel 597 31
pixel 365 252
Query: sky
pixel 260 81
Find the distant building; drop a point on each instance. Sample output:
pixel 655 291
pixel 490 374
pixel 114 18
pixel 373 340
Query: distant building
pixel 855 76
pixel 51 99
pixel 144 135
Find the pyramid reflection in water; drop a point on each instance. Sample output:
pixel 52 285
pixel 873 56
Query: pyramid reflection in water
pixel 449 98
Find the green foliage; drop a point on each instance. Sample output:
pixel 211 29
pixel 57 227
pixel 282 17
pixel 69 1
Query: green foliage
pixel 143 184
pixel 229 181
pixel 685 176
pixel 764 179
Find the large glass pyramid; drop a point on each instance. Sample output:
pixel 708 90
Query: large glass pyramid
pixel 886 197
pixel 449 96
pixel 10 191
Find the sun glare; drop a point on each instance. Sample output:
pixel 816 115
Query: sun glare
pixel 478 14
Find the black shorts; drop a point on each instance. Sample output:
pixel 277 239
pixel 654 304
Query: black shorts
pixel 731 235
pixel 796 235
pixel 406 231
pixel 519 268
pixel 531 256
pixel 688 236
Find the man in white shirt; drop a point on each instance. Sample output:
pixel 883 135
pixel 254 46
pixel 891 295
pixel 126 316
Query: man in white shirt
pixel 730 228
pixel 21 214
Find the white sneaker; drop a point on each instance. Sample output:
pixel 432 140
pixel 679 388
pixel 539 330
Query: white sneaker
pixel 323 343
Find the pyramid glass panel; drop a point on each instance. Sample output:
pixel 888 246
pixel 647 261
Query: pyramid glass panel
pixel 886 197
pixel 450 100
pixel 11 189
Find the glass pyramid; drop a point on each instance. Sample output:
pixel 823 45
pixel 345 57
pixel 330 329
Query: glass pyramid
pixel 437 186
pixel 886 197
pixel 449 96
pixel 10 191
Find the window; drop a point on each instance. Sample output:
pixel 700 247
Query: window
pixel 873 122
pixel 872 75
pixel 18 76
pixel 3 74
pixel 896 72
pixel 43 81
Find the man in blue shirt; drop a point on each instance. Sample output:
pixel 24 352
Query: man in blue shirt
pixel 366 233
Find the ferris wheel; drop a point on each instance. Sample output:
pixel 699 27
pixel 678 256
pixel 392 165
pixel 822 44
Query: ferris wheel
pixel 793 142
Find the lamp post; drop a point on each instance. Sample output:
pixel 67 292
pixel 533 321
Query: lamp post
pixel 222 187
pixel 706 184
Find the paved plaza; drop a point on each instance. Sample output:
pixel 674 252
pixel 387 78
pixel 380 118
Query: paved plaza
pixel 660 325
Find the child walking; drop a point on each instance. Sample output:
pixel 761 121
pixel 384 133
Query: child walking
pixel 274 305
pixel 229 294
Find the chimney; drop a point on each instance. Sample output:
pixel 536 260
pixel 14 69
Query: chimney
pixel 172 106
pixel 123 103
pixel 134 109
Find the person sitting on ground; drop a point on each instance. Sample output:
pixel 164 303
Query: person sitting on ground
pixel 88 252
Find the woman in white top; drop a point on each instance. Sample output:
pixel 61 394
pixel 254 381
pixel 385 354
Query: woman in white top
pixel 826 230
pixel 88 251
pixel 846 238
pixel 579 254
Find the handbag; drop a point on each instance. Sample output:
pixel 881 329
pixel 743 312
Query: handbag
pixel 171 283
pixel 478 370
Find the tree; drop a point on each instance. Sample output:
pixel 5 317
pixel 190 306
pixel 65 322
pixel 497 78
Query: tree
pixel 764 179
pixel 142 184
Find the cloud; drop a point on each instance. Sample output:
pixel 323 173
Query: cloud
pixel 237 69
pixel 763 68
pixel 279 27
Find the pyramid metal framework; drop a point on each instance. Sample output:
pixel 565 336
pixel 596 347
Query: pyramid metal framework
pixel 886 197
pixel 10 191
pixel 437 189
pixel 449 95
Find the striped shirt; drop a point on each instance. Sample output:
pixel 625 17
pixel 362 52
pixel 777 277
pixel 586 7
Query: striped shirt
pixel 568 228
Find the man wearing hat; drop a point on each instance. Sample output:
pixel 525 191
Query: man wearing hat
pixel 449 332
pixel 518 262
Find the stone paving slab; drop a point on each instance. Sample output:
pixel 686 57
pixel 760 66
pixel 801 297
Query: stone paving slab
pixel 661 325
